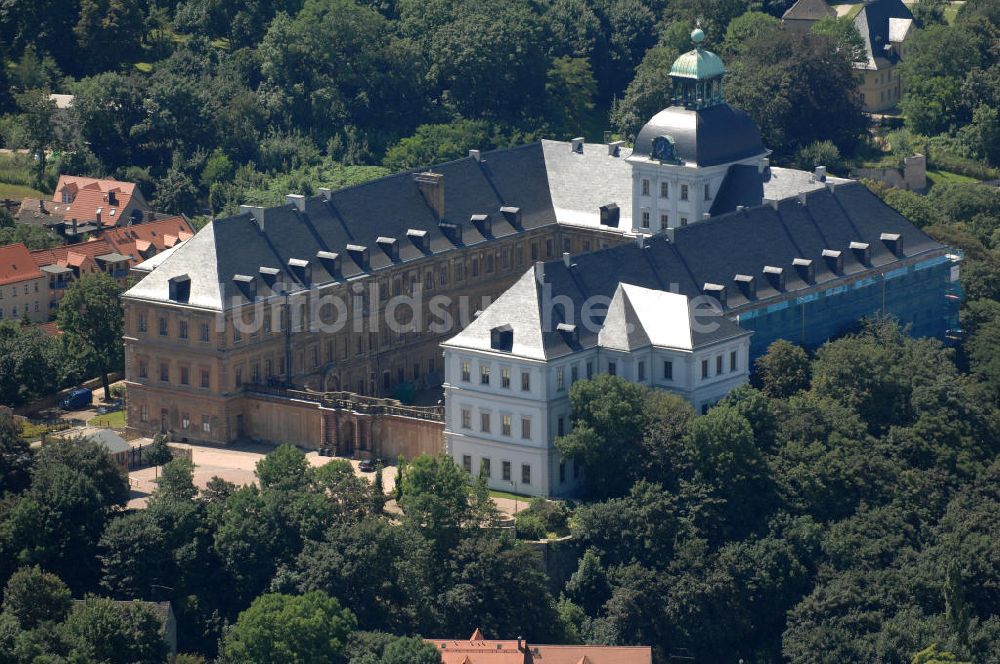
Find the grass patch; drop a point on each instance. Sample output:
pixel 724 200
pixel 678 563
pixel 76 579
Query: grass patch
pixel 115 420
pixel 937 176
pixel 18 191
pixel 950 13
pixel 144 67
pixel 222 43
pixel 509 496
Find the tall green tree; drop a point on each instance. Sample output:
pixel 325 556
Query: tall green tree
pixel 91 313
pixel 278 629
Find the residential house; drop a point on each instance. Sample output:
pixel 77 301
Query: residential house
pixel 480 650
pixel 23 287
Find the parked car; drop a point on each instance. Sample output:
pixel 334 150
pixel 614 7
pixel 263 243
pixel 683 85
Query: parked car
pixel 77 399
pixel 367 465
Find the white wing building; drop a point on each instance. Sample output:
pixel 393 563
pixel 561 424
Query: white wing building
pixel 508 374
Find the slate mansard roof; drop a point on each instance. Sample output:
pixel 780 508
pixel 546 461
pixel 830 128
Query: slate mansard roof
pixel 540 184
pixel 880 23
pixel 710 136
pixel 793 245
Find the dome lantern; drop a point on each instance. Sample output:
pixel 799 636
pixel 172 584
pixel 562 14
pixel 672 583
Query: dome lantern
pixel 697 76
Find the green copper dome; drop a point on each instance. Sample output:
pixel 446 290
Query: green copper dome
pixel 698 63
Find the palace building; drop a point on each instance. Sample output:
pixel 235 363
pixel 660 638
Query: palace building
pixel 296 323
pixel 756 254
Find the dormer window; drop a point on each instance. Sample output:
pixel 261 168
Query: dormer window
pixel 180 288
pixel 502 338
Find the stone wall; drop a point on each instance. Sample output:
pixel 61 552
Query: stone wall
pixel 913 176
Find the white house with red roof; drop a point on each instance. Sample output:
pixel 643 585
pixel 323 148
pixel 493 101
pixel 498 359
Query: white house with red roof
pixel 106 203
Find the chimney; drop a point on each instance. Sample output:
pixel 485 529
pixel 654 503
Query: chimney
pixel 740 208
pixel 325 192
pixel 431 187
pixel 706 215
pixel 269 275
pixel 298 201
pixel 476 154
pixel 615 148
pixel 862 252
pixel 389 246
pixel 521 645
pixel 540 272
pixel 99 211
pixel 803 198
pixel 773 202
pixel 834 260
pixel 569 332
pixel 150 216
pixel 482 224
pixel 640 241
pixel 806 270
pixel 894 243
pixel 576 145
pixel 820 173
pixel 566 258
pixel 330 262
pixel 256 212
pixel 765 164
pixel 747 285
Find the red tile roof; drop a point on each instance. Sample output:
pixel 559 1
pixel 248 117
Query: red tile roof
pixel 72 255
pixel 163 234
pixel 478 650
pixel 16 264
pixel 90 194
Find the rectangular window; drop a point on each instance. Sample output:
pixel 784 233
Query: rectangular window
pixel 560 379
pixel 505 377
pixel 239 376
pixel 484 374
pixel 525 474
pixel 612 369
pixel 205 378
pixel 484 468
pixel 143 369
pixel 684 221
pixel 204 331
pixel 484 422
pixel 163 327
pixel 466 418
pixel 142 322
pixel 732 361
pixel 718 364
pixel 185 378
pixel 505 470
pixel 684 192
pixel 548 248
pixel 465 372
pixel 505 425
pixel 237 335
pixel 574 374
pixel 206 424
pixel 562 472
pixel 143 413
pixel 185 421
pixel 525 381
pixel 645 187
pixel 664 222
pixel 164 372
pixel 182 329
pixel 642 370
pixel 668 370
pixel 645 218
pixel 708 192
pixel 467 463
pixel 704 368
pixel 664 190
pixel 590 370
pixel 526 428
pixel 561 427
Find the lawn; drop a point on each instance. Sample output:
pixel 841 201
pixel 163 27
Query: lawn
pixel 938 176
pixel 115 420
pixel 19 191
pixel 509 496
